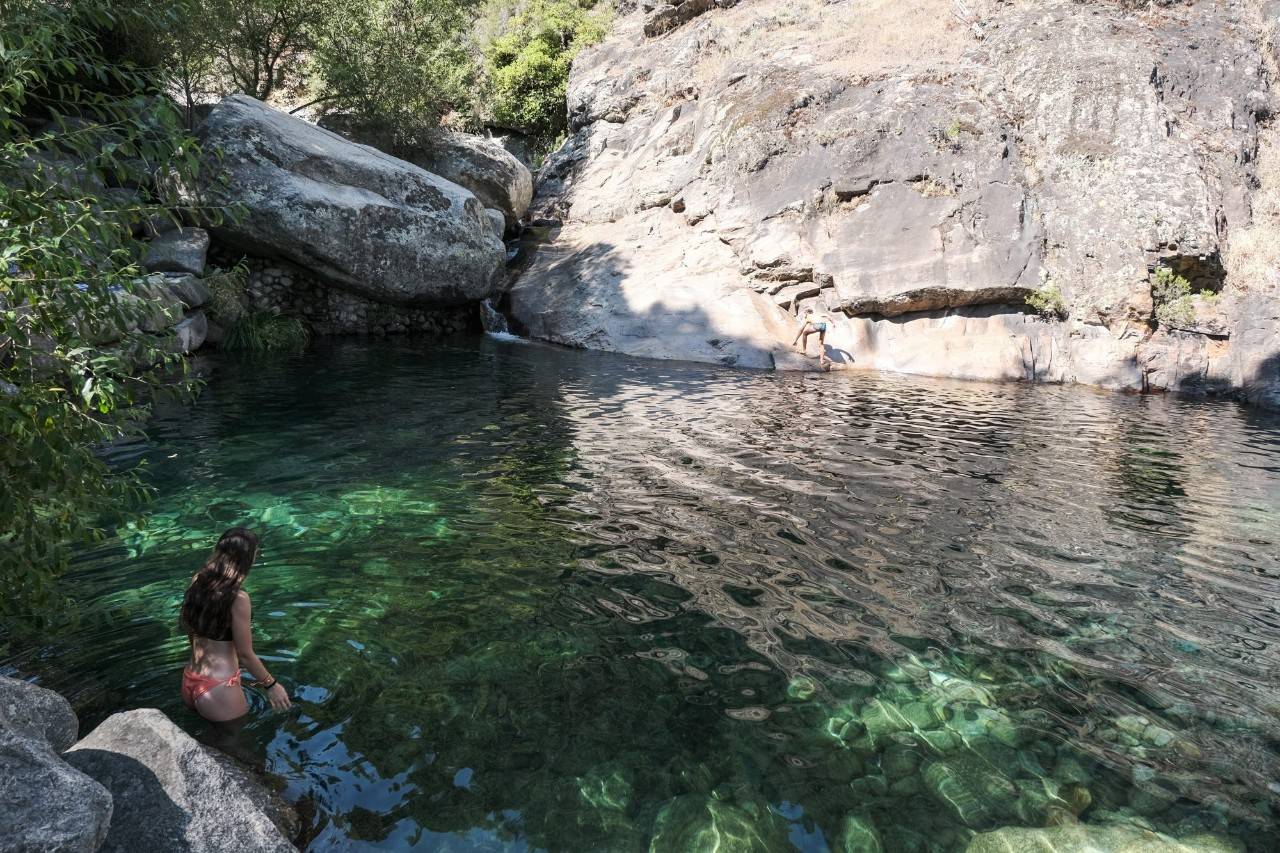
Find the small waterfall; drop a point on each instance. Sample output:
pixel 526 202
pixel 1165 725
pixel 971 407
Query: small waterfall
pixel 492 321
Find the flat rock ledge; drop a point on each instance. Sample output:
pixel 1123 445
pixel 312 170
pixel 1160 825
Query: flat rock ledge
pixel 136 783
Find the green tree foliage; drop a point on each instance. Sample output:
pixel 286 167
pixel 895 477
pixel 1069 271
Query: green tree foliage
pixel 255 47
pixel 1171 294
pixel 397 64
pixel 1047 301
pixel 83 139
pixel 527 61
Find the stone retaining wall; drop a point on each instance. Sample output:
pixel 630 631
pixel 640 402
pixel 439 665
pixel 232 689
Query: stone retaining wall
pixel 286 288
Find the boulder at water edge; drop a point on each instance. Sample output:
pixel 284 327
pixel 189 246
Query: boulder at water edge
pixel 170 792
pixel 36 712
pixel 351 214
pixel 47 805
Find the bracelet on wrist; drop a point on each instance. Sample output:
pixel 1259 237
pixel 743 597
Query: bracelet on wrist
pixel 268 684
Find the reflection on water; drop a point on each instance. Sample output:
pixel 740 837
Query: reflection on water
pixel 534 599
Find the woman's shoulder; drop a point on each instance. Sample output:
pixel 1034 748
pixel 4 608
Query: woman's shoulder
pixel 242 599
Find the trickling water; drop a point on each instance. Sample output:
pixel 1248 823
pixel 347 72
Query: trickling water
pixel 491 319
pixel 530 598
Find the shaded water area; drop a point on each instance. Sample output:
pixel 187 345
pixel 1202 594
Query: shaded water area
pixel 537 599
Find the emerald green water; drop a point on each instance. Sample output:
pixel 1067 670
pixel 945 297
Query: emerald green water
pixel 535 599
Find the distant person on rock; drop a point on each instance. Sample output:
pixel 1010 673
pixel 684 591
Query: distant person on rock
pixel 814 322
pixel 216 618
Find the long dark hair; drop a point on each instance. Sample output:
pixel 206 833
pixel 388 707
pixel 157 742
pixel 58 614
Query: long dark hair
pixel 206 609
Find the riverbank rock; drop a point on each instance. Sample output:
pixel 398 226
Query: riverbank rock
pixel 36 712
pixel 191 332
pixel 1082 838
pixel 191 290
pixel 47 805
pixel 170 793
pixel 731 165
pixel 354 216
pixel 181 250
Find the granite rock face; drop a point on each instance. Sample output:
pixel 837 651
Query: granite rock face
pixel 730 165
pixel 354 216
pixel 170 793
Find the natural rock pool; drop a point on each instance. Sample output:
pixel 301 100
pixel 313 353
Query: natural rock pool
pixel 537 599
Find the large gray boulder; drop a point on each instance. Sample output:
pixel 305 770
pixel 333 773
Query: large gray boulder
pixel 36 712
pixel 181 250
pixel 46 804
pixel 481 165
pixel 717 182
pixel 170 793
pixel 351 214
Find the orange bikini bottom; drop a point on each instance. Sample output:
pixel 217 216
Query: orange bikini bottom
pixel 194 685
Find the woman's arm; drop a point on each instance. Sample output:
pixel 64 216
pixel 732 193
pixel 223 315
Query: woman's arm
pixel 242 634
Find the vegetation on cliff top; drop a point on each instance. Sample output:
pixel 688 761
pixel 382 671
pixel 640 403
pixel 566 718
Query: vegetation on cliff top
pixel 399 65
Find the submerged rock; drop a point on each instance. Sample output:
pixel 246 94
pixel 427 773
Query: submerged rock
pixel 1083 838
pixel 972 790
pixel 350 214
pixel 699 823
pixel 170 793
pixel 882 718
pixel 859 835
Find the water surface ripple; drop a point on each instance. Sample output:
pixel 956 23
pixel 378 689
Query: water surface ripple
pixel 536 599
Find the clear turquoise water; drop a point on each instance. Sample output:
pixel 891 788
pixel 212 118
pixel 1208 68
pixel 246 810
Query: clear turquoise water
pixel 535 599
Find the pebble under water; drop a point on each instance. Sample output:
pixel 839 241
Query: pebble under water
pixel 532 599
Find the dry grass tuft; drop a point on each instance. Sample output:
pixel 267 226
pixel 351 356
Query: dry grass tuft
pixel 1253 253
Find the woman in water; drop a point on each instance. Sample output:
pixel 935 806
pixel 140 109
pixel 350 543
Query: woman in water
pixel 215 615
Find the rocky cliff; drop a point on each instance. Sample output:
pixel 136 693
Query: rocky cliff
pixel 920 171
